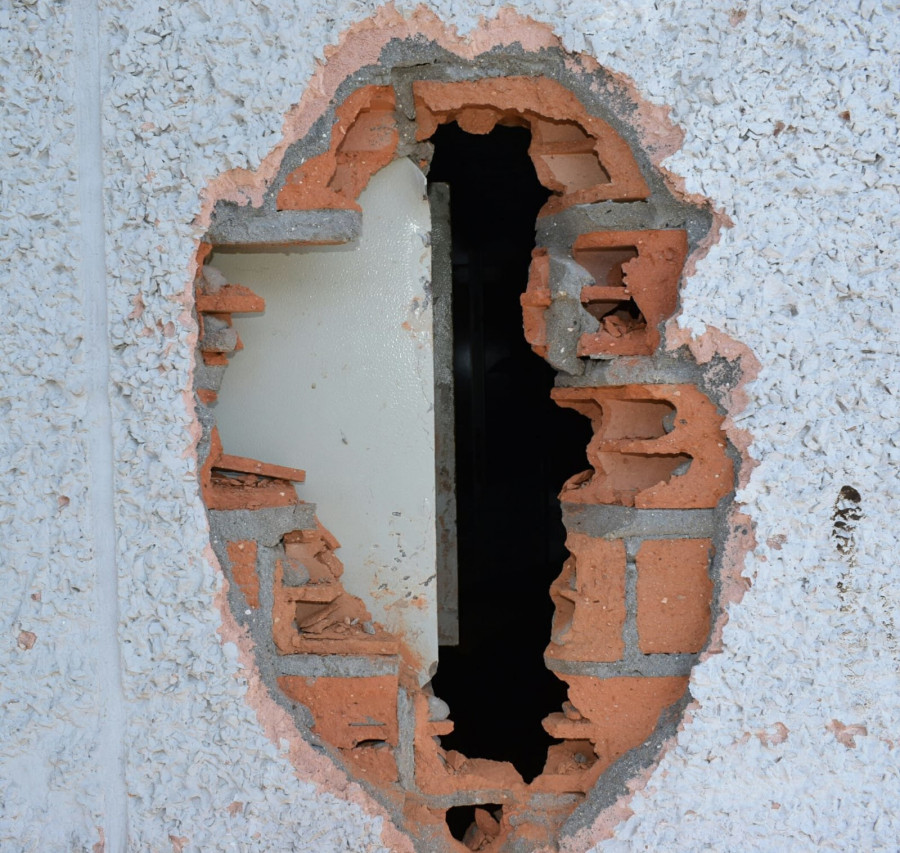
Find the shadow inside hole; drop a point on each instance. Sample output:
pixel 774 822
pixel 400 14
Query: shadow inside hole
pixel 514 449
pixel 475 826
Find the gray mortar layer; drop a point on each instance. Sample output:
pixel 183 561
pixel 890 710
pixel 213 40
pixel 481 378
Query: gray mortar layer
pixel 207 376
pixel 235 227
pixel 400 63
pixel 621 522
pixel 267 526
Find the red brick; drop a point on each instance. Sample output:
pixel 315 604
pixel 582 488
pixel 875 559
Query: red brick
pixel 244 465
pixel 576 155
pixel 230 299
pixel 590 601
pixel 674 595
pixel 363 140
pixel 348 710
pixel 634 458
pixel 243 568
pixel 618 713
pixel 536 300
pixel 650 279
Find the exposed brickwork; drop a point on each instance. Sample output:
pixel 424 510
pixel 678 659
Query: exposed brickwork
pixel 577 156
pixel 535 301
pixel 635 599
pixel 664 457
pixel 348 710
pixel 674 595
pixel 590 601
pixel 614 714
pixel 636 272
pixel 312 612
pixel 363 139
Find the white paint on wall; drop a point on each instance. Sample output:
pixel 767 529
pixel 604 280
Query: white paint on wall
pixel 337 378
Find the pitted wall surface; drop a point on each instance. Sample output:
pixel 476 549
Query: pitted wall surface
pixel 789 118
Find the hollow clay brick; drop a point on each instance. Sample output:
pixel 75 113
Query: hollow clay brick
pixel 321 617
pixel 248 492
pixel 440 772
pixel 590 601
pixel 242 555
pixel 244 465
pixel 618 714
pixel 242 492
pixel 348 710
pixel 231 299
pixel 674 595
pixel 363 140
pixel 650 279
pixel 535 301
pixel 638 469
pixel 576 155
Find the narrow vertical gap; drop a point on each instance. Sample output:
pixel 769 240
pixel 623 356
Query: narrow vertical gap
pixel 86 31
pixel 514 449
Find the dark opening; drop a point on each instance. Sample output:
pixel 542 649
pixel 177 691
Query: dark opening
pixel 462 822
pixel 514 450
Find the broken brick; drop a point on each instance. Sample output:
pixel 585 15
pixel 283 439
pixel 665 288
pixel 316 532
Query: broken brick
pixel 618 713
pixel 576 155
pixel 590 601
pixel 363 139
pixel 536 300
pixel 681 464
pixel 348 711
pixel 637 274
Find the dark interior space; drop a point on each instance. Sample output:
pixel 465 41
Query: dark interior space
pixel 461 820
pixel 514 450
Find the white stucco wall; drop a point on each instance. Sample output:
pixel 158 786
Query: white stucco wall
pixel 128 714
pixel 337 378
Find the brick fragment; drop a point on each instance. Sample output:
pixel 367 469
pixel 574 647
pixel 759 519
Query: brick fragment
pixel 654 447
pixel 618 713
pixel 244 465
pixel 536 300
pixel 674 595
pixel 363 140
pixel 242 555
pixel 590 601
pixel 633 270
pixel 230 299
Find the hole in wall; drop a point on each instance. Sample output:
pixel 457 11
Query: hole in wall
pixel 361 714
pixel 475 826
pixel 511 540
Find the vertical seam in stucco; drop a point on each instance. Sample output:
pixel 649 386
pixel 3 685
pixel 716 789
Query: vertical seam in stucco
pixel 86 30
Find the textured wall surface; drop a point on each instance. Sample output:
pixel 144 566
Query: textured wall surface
pixel 125 715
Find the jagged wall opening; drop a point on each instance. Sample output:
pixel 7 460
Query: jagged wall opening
pixel 637 599
pixel 510 540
